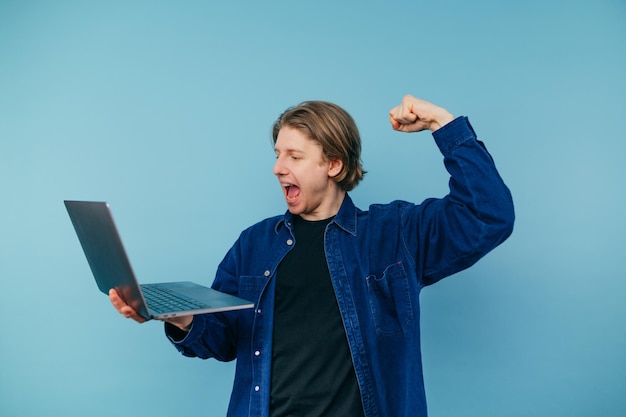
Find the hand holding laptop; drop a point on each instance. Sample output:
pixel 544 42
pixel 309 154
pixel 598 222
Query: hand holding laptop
pixel 127 311
pixel 173 302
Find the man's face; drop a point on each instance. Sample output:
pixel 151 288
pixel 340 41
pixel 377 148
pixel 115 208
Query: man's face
pixel 306 177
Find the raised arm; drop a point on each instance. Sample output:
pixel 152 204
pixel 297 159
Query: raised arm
pixel 451 233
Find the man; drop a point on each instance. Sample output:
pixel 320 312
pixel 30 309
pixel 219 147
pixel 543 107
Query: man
pixel 335 329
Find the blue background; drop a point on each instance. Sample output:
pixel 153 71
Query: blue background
pixel 164 110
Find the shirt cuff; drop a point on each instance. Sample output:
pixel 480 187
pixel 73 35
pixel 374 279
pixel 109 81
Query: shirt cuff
pixel 451 135
pixel 175 334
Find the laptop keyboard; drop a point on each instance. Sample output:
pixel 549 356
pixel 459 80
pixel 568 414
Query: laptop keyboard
pixel 161 300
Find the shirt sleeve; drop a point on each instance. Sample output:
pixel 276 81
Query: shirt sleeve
pixel 211 335
pixel 450 234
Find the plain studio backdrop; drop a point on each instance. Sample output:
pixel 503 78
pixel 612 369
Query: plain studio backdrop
pixel 164 110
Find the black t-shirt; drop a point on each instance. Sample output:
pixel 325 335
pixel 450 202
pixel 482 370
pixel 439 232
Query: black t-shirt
pixel 312 371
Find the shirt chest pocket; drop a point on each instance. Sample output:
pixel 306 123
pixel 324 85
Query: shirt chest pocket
pixel 390 300
pixel 250 287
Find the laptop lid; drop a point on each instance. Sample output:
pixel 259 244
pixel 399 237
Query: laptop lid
pixel 111 267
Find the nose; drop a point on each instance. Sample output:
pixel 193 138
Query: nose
pixel 279 168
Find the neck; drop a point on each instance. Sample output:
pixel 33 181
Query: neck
pixel 327 209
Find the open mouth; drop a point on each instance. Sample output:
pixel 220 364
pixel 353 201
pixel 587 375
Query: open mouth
pixel 291 192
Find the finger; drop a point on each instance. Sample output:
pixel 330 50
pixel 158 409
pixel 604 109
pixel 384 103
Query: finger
pixel 123 308
pixel 395 125
pixel 116 300
pixel 403 114
pixel 127 312
pixel 407 124
pixel 130 313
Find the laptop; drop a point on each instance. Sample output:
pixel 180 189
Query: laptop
pixel 111 268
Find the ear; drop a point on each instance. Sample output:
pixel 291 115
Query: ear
pixel 334 167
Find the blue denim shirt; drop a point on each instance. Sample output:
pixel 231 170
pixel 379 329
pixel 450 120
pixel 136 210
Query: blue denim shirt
pixel 379 260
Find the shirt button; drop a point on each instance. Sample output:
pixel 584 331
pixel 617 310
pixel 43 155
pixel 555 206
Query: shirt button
pixel 289 242
pixel 258 311
pixel 257 353
pixel 266 273
pixel 257 388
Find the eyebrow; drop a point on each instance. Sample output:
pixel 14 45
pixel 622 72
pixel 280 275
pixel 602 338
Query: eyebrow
pixel 289 151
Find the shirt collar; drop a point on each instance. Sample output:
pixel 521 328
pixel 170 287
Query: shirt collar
pixel 345 218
